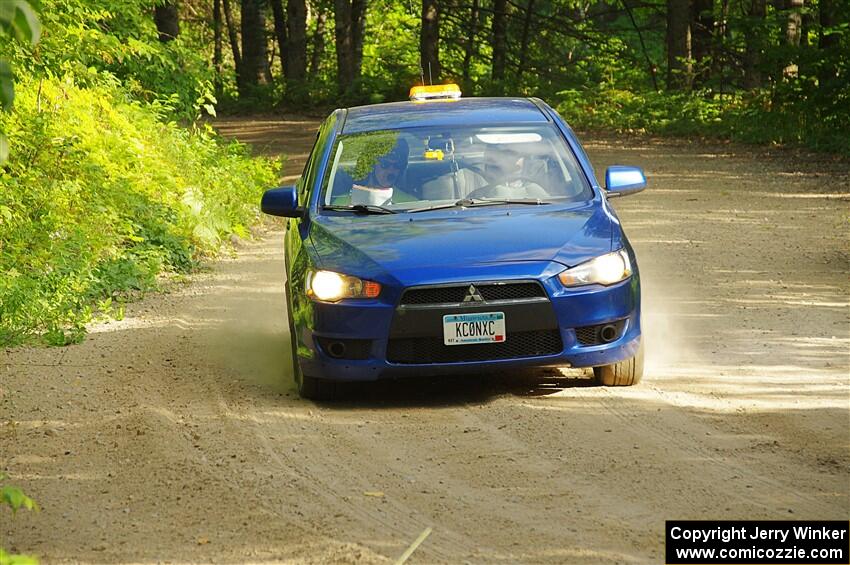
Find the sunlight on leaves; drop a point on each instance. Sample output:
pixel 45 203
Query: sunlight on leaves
pixel 16 499
pixel 8 559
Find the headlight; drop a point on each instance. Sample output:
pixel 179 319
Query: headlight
pixel 606 269
pixel 328 286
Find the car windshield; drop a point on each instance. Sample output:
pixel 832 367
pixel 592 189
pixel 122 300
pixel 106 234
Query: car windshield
pixel 424 168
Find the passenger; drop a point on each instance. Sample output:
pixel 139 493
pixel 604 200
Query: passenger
pixel 380 185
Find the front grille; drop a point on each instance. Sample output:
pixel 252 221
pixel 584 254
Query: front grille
pixel 592 335
pixel 426 350
pixel 490 292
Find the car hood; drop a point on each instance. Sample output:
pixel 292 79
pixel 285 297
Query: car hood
pixel 377 246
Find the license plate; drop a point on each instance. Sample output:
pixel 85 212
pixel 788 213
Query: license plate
pixel 465 329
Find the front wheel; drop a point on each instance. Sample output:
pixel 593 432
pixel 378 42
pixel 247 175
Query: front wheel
pixel 624 373
pixel 309 387
pixel 312 388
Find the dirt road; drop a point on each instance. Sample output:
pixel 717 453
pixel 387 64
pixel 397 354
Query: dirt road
pixel 175 435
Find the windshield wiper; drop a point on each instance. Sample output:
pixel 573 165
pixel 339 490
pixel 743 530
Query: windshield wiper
pixel 470 203
pixel 362 209
pixel 491 201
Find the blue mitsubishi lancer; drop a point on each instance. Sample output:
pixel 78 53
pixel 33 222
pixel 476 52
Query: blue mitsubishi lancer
pixel 456 235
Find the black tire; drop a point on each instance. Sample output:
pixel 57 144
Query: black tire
pixel 308 387
pixel 312 388
pixel 624 373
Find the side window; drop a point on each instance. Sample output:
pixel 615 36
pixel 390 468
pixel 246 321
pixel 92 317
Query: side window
pixel 302 186
pixel 314 163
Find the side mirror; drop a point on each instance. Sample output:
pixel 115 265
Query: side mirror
pixel 620 180
pixel 282 201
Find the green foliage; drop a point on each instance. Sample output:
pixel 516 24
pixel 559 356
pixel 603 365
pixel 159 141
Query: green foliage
pixel 104 192
pixel 638 112
pixel 15 498
pixel 760 117
pixel 4 148
pixel 7 86
pixel 8 559
pixel 18 20
pixel 390 52
pixel 101 196
pixel 84 38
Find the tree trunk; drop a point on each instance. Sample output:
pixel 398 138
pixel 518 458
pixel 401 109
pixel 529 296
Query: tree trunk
pixel 429 41
pixel 470 42
pixel 523 48
pixel 794 23
pixel 318 41
pixel 679 68
pixel 344 45
pixel 793 33
pixel 296 27
pixel 280 34
pixel 500 31
pixel 829 44
pixel 805 28
pixel 217 45
pixel 167 20
pixel 722 36
pixel 828 18
pixel 358 28
pixel 233 38
pixel 755 43
pixel 705 56
pixel 254 50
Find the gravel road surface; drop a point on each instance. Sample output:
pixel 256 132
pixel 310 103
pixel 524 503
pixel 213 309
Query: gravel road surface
pixel 175 435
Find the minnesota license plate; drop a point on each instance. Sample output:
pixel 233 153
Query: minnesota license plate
pixel 465 329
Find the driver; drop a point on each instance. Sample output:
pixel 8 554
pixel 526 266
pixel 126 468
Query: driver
pixel 513 173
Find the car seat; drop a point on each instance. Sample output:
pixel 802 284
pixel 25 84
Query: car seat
pixel 452 185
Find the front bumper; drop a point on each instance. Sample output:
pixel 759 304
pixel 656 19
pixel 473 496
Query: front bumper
pixel 374 330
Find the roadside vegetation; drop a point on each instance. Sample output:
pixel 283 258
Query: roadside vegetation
pixel 109 181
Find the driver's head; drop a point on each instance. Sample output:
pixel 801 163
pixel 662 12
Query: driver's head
pixel 502 161
pixel 390 166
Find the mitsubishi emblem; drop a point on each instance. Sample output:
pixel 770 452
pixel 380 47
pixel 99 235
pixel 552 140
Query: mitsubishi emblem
pixel 472 295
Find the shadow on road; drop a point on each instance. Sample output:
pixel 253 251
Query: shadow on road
pixel 434 392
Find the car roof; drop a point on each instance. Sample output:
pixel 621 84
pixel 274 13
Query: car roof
pixel 466 111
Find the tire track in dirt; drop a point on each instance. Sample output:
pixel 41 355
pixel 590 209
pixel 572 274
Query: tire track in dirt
pixel 623 410
pixel 334 496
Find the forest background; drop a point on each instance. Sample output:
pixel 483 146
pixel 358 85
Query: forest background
pixel 752 70
pixel 112 179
